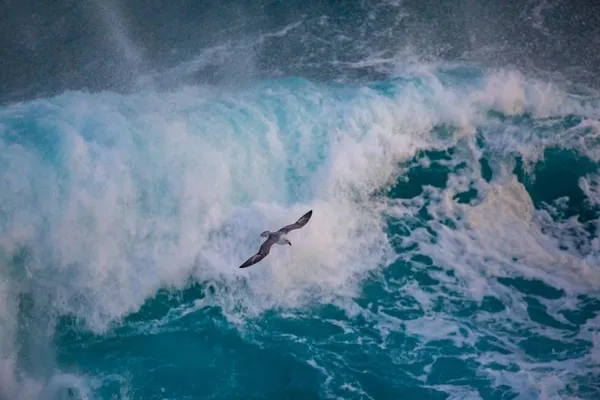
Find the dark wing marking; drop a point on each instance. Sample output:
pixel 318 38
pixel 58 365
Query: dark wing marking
pixel 253 260
pixel 299 224
pixel 262 252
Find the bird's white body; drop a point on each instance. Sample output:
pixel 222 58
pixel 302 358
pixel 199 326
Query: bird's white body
pixel 281 237
pixel 282 240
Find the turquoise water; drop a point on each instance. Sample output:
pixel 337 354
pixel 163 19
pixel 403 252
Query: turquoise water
pixel 452 252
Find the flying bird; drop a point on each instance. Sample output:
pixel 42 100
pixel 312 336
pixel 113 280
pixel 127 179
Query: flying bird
pixel 278 237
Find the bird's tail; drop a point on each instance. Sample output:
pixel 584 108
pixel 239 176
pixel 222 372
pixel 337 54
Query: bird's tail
pixel 265 234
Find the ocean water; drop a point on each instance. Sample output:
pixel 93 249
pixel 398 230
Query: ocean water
pixel 452 252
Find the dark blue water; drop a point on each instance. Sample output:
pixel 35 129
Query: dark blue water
pixel 452 252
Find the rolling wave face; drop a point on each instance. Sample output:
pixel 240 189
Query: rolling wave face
pixel 124 218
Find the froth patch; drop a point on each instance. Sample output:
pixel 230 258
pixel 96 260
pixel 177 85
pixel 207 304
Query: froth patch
pixel 514 93
pixel 500 236
pixel 590 185
pixel 503 203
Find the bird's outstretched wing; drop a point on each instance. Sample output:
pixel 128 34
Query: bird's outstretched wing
pixel 262 252
pixel 298 224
